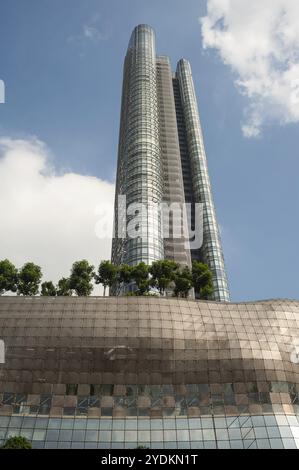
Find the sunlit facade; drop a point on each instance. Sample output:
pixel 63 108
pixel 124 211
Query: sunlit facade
pixel 161 159
pixel 121 372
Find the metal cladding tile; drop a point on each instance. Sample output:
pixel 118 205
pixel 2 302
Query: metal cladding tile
pixel 124 340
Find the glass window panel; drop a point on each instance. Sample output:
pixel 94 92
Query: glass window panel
pixel 54 423
pixel 14 432
pixel 157 424
pixel 91 445
pixel 144 435
pixel 289 443
pixel 276 443
pixel 52 435
pixel 234 433
pixel 285 431
pixel 157 436
pixel 39 435
pixel 105 424
pixel 258 421
pixel 273 431
pixel 28 422
pixel 260 432
pixel 131 436
pixel 169 435
pixel 91 435
pixel 78 435
pixel 4 420
pixel 281 420
pixel 77 445
pixel 210 445
pixel 223 444
pixel 263 443
pixel 118 436
pixel 221 434
pixel 270 420
pixel 93 424
pixel 67 423
pixel 80 423
pixel 182 423
pixel 207 423
pixel 41 423
pixel 220 423
pixel 236 444
pixel 131 424
pixel 195 423
pixel 146 423
pixel 64 445
pixel 27 433
pixel 16 421
pixel 105 436
pixel 118 424
pixel 208 434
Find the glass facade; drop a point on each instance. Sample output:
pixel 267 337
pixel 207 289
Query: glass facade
pixel 119 372
pixel 161 158
pixel 221 432
pixel 211 250
pixel 139 175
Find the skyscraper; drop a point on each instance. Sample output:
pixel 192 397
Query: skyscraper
pixel 161 160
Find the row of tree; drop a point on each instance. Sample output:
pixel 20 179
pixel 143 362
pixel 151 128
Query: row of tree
pixel 159 277
pixel 27 280
pixel 162 276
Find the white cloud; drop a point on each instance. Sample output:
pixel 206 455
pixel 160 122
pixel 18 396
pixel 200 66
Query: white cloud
pixel 259 40
pixel 47 217
pixel 92 30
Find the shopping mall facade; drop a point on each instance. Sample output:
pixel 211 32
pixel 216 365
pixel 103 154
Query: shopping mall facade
pixel 122 372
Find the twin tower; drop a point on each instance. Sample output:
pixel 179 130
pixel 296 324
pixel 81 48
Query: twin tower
pixel 162 161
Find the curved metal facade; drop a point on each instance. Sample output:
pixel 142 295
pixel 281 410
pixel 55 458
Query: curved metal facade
pixel 119 372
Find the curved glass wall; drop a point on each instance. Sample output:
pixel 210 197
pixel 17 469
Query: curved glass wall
pixel 140 167
pixel 211 249
pixel 208 432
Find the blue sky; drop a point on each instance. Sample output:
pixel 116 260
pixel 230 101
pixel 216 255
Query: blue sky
pixel 61 61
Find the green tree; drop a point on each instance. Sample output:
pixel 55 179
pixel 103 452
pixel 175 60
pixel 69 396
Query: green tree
pixel 29 279
pixel 81 277
pixel 17 442
pixel 163 273
pixel 202 280
pixel 206 292
pixel 64 288
pixel 106 274
pixel 48 289
pixel 183 283
pixel 140 274
pixel 124 274
pixel 8 277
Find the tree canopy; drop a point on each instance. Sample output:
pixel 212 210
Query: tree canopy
pixel 29 279
pixel 106 276
pixel 202 280
pixel 8 277
pixel 17 442
pixel 141 279
pixel 48 289
pixel 163 272
pixel 81 277
pixel 64 287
